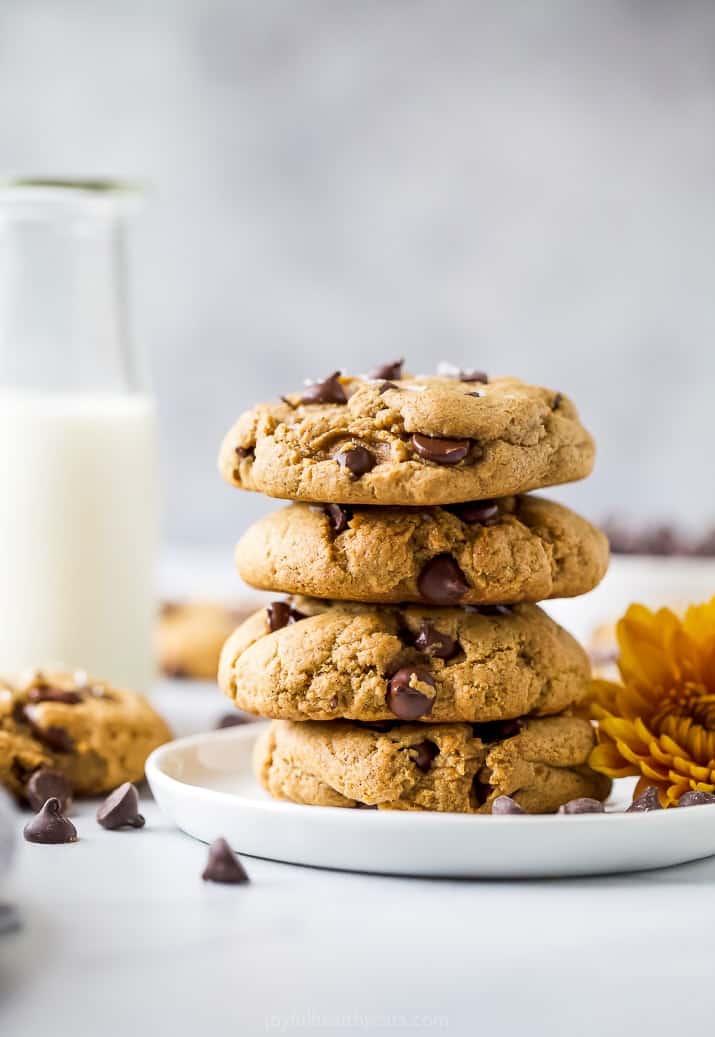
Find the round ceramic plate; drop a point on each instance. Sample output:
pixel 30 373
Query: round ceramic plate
pixel 205 784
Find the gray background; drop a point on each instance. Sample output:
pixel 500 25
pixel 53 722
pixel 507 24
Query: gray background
pixel 525 187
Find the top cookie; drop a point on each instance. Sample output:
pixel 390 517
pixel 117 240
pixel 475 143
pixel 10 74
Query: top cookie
pixel 408 441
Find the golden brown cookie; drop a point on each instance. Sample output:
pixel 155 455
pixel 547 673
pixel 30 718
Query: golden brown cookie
pixel 449 767
pixel 516 549
pixel 408 441
pixel 96 735
pixel 190 636
pixel 315 660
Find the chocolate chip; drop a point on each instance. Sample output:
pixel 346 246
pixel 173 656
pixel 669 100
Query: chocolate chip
pixel 434 642
pixel 280 614
pixel 473 376
pixel 44 693
pixel 50 825
pixel 497 730
pixel 47 784
pixel 441 451
pixel 696 799
pixel 289 403
pixel 425 752
pixel 357 460
pixel 583 805
pixel 333 704
pixel 243 452
pixel 475 393
pixel 232 720
pixel 381 726
pixel 223 865
pixel 385 386
pixel 53 737
pixel 389 370
pixel 481 790
pixel 476 512
pixel 506 805
pixel 339 517
pixel 121 809
pixel 328 391
pixel 556 402
pixel 648 800
pixel 403 700
pixel 442 582
pixel 175 671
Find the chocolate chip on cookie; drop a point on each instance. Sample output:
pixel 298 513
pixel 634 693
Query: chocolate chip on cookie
pixel 242 452
pixel 46 784
pixel 441 451
pixel 476 512
pixel 388 371
pixel 442 582
pixel 385 386
pixel 473 376
pixel 223 865
pixel 357 460
pixel 328 391
pixel 425 753
pixel 281 614
pixel 497 730
pixel 121 809
pixel 404 699
pixel 339 517
pixel 434 642
pixel 50 825
pixel 44 693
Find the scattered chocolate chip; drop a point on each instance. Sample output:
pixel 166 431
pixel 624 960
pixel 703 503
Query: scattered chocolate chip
pixel 385 386
pixel 473 376
pixel 232 720
pixel 403 700
pixel 696 799
pixel 506 805
pixel 280 614
pixel 441 451
pixel 44 693
pixel 583 805
pixel 328 391
pixel 339 517
pixel 648 800
pixel 381 726
pixel 476 512
pixel 47 784
pixel 556 402
pixel 121 809
pixel 425 752
pixel 223 865
pixel 357 460
pixel 50 826
pixel 434 642
pixel 442 582
pixel 497 730
pixel 481 790
pixel 388 371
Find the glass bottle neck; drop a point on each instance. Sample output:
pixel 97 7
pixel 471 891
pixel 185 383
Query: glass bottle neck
pixel 64 311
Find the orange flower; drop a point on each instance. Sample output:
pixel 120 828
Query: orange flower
pixel 659 724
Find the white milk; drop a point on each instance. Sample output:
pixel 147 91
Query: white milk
pixel 78 533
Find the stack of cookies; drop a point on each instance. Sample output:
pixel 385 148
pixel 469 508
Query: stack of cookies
pixel 409 667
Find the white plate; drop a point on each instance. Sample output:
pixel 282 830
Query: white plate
pixel 205 784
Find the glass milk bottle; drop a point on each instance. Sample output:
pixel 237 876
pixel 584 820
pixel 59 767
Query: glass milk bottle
pixel 78 459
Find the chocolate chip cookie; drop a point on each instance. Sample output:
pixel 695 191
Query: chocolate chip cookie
pixel 516 549
pixel 190 636
pixel 95 735
pixel 449 767
pixel 305 659
pixel 408 441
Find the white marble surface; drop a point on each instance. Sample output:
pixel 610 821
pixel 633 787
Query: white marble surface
pixel 119 935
